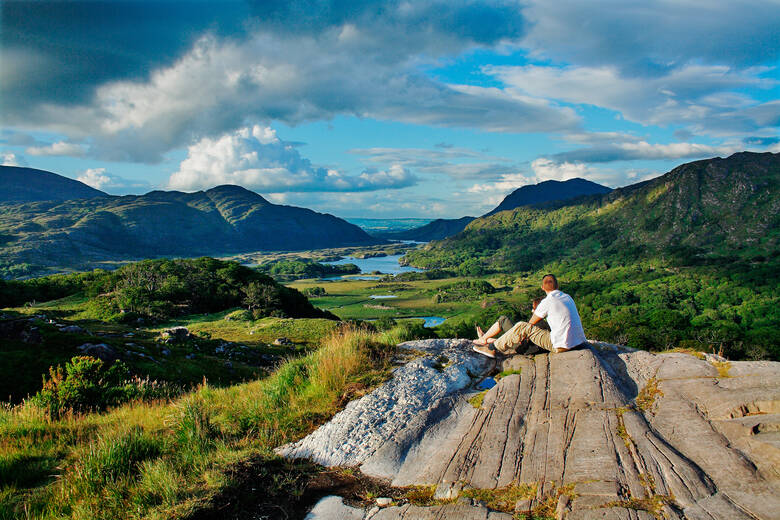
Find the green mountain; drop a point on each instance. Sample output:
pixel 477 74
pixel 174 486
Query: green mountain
pixel 532 195
pixel 28 184
pixel 706 211
pixel 223 220
pixel 688 260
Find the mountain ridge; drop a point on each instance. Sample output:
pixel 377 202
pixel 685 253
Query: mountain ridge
pixel 548 191
pixel 21 184
pixel 227 219
pixel 536 195
pixel 713 206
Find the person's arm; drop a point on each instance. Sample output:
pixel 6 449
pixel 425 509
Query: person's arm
pixel 535 318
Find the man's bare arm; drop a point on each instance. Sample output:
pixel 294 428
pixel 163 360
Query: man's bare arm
pixel 534 319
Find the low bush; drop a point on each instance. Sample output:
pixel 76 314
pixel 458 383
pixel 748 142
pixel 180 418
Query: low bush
pixel 465 290
pixel 85 384
pixel 88 384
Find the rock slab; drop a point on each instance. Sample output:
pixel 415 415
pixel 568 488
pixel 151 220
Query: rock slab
pixel 617 433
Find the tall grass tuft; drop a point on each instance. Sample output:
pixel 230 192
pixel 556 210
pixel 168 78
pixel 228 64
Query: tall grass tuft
pixel 112 456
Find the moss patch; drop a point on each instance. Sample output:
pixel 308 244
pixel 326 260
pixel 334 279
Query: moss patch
pixel 722 367
pixel 504 498
pixel 476 401
pixel 648 395
pixel 653 504
pixel 421 495
pixel 507 373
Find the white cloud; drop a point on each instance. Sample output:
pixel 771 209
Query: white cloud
pixel 699 96
pixel 100 179
pixel 254 157
pixel 11 159
pixel 219 85
pixel 58 148
pixel 454 162
pixel 642 150
pixel 653 34
pixel 547 170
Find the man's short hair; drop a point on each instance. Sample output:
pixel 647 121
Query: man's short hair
pixel 549 282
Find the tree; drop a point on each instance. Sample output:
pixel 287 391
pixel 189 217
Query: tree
pixel 262 299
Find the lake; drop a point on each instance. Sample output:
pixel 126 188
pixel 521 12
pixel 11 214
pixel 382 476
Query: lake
pixel 428 321
pixel 384 264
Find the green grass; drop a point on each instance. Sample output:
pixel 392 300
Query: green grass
pixel 351 299
pixel 165 460
pixel 306 331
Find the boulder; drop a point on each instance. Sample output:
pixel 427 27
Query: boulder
pixel 333 508
pixel 282 342
pixel 21 330
pixel 99 350
pixel 175 334
pixel 604 432
pixel 73 329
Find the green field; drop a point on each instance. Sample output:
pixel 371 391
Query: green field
pixel 351 299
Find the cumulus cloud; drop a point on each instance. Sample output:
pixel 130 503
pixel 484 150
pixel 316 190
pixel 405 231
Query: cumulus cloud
pixel 58 148
pixel 547 170
pixel 11 159
pixel 350 62
pixel 72 68
pixel 254 157
pixel 102 180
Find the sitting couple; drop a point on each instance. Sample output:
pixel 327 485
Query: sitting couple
pixel 565 326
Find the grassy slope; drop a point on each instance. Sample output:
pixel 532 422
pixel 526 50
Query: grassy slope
pixel 166 460
pixel 219 368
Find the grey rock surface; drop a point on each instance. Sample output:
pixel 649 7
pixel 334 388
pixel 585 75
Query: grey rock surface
pixel 442 512
pixel 622 433
pixel 333 508
pixel 378 430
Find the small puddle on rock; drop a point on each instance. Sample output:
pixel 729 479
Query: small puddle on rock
pixel 487 383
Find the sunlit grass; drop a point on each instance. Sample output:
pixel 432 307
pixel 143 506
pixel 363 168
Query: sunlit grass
pixel 165 459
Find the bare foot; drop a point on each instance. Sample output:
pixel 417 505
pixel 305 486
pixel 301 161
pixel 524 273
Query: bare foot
pixel 479 331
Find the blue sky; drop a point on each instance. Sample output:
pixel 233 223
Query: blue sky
pixel 383 109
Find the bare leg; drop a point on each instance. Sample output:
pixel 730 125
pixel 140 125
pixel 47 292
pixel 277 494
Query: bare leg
pixel 491 332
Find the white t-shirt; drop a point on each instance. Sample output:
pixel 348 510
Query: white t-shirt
pixel 563 318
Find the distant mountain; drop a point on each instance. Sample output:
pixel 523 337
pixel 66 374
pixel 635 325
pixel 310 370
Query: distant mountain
pixel 435 230
pixel 222 220
pixel 710 211
pixel 532 195
pixel 548 191
pixel 28 184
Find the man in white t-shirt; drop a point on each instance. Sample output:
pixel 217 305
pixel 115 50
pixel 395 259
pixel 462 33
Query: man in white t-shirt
pixel 565 326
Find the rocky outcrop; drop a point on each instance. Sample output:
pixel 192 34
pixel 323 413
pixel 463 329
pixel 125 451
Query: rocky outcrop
pixel 606 432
